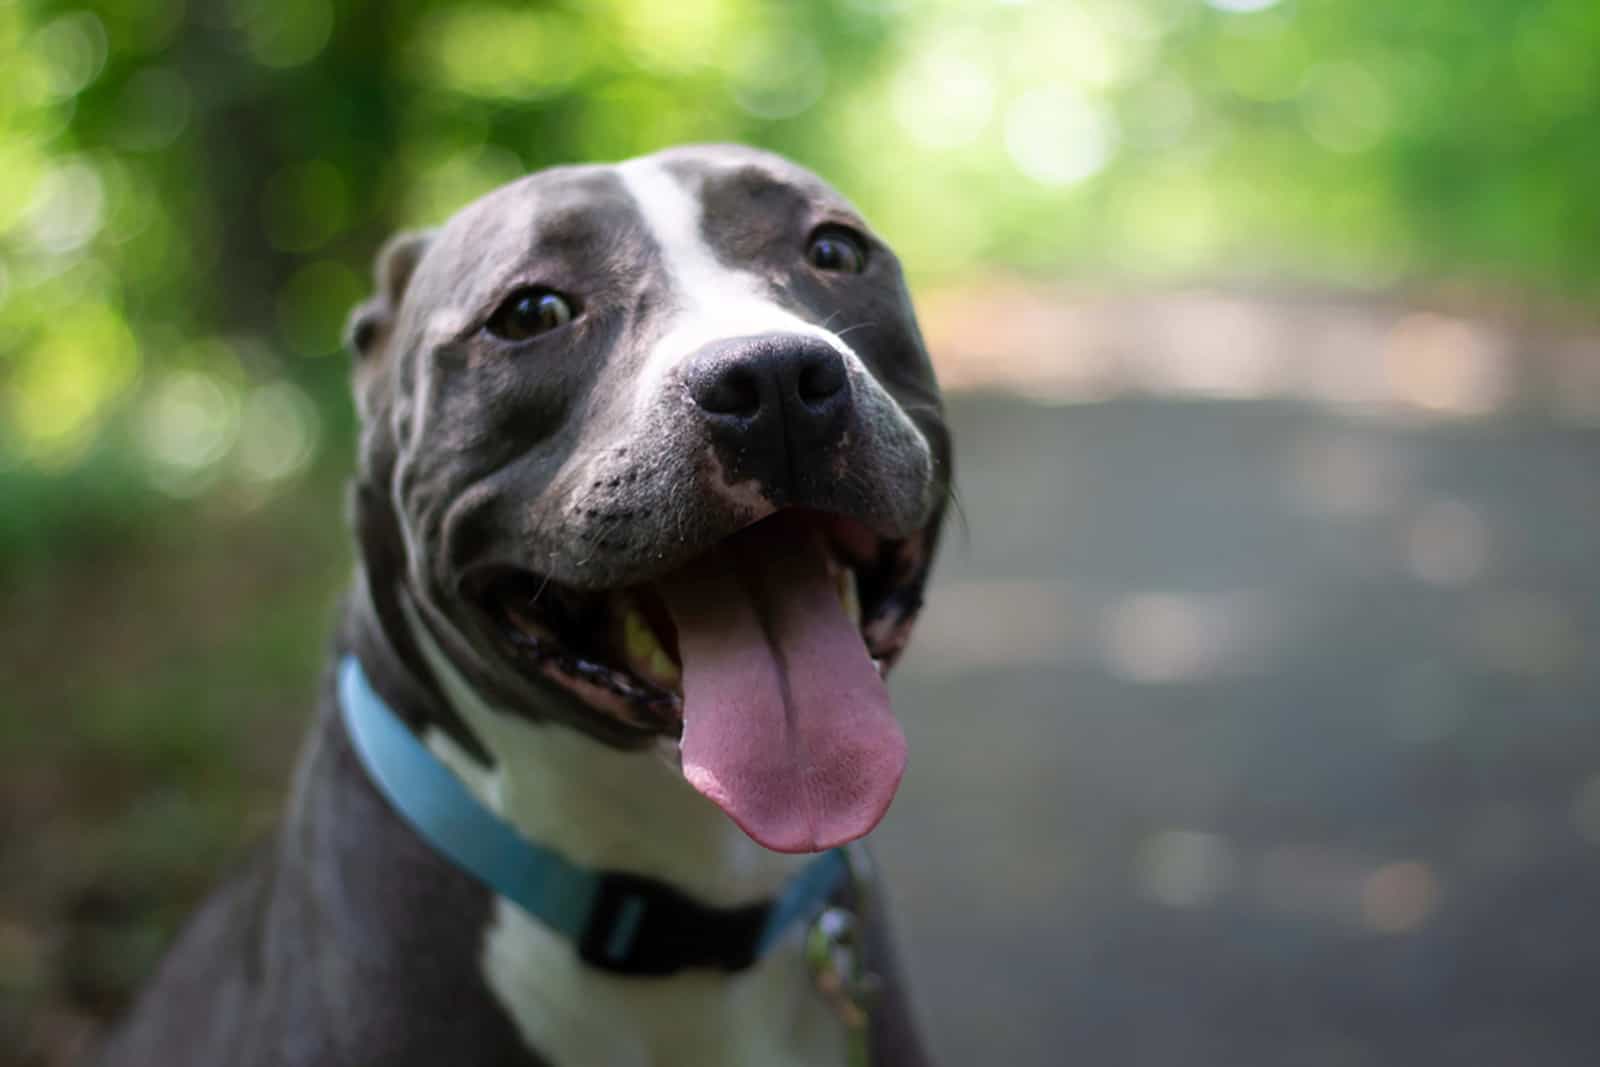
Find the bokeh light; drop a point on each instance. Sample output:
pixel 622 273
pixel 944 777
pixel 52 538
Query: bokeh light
pixel 189 422
pixel 1242 5
pixel 278 430
pixel 283 33
pixel 1448 544
pixel 1399 897
pixel 1184 868
pixel 68 208
pixel 1057 136
pixel 944 95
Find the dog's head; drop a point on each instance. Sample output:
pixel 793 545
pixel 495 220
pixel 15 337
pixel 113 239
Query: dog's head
pixel 655 449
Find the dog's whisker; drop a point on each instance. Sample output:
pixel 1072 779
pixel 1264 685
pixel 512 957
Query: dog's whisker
pixel 858 326
pixel 951 495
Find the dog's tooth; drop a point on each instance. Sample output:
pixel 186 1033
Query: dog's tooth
pixel 847 594
pixel 637 640
pixel 644 651
pixel 663 670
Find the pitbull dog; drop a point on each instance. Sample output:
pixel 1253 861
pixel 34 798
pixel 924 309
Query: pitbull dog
pixel 651 471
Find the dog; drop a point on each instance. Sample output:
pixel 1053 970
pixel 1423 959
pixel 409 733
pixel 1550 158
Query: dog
pixel 651 471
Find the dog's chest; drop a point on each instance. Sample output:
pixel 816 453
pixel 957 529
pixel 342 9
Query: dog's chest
pixel 573 1015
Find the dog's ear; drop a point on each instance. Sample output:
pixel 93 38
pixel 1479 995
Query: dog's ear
pixel 369 324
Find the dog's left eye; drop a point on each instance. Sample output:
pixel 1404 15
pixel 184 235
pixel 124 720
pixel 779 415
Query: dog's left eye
pixel 837 251
pixel 529 312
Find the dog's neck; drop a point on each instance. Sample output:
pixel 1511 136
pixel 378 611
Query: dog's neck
pixel 602 807
pixel 614 809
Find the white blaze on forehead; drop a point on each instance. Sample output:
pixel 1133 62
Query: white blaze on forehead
pixel 444 324
pixel 711 300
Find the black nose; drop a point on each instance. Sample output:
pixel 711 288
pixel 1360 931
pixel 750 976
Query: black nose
pixel 774 404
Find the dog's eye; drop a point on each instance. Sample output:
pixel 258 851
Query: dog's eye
pixel 529 312
pixel 837 250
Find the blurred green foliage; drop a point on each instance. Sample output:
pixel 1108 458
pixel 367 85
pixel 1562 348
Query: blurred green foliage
pixel 190 191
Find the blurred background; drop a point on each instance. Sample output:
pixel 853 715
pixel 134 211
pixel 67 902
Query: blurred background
pixel 1254 715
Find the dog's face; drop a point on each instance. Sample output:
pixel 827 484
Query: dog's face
pixel 667 458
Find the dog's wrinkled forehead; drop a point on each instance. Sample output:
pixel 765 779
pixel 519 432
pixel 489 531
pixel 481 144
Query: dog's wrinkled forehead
pixel 744 195
pixel 676 213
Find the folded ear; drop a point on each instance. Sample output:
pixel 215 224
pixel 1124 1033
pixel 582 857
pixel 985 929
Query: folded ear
pixel 369 324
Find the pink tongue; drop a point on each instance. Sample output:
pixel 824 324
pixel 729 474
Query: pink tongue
pixel 786 724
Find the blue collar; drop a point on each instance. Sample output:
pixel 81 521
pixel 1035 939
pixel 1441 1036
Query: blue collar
pixel 619 922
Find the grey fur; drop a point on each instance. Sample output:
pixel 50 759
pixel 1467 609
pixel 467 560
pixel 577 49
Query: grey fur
pixel 346 941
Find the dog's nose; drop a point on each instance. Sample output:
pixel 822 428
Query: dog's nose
pixel 771 400
pixel 792 377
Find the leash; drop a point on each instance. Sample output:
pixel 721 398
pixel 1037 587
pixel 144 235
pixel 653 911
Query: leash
pixel 619 922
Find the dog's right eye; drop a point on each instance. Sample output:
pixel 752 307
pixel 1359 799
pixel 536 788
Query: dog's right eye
pixel 529 312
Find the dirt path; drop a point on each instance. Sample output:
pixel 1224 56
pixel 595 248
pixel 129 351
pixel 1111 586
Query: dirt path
pixel 1244 733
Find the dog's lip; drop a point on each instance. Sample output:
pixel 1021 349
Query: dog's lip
pixel 852 540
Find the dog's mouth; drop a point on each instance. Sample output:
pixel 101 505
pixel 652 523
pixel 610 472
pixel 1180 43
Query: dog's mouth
pixel 764 656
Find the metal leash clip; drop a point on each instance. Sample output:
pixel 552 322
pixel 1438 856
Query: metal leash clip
pixel 838 965
pixel 836 954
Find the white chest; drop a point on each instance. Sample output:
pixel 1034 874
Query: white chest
pixel 574 1015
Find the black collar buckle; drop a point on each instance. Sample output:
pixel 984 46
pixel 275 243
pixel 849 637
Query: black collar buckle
pixel 639 926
